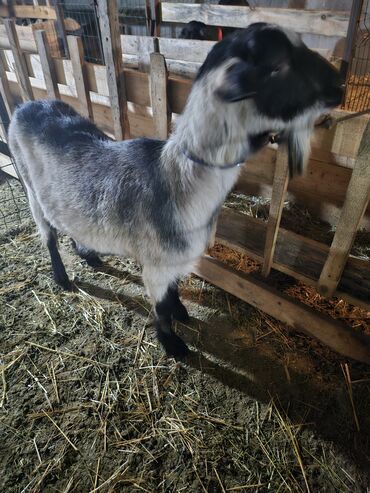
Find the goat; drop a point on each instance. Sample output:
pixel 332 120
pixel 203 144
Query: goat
pixel 157 200
pixel 195 30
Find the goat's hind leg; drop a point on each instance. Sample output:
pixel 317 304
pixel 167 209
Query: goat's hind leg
pixel 90 256
pixel 49 238
pixel 59 271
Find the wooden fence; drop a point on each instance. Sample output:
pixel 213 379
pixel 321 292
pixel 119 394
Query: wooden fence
pixel 126 102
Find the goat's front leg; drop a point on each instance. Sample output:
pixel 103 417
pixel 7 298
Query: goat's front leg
pixel 164 293
pixel 178 310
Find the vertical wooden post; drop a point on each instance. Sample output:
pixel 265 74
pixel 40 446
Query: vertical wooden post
pixel 76 52
pixel 158 94
pixel 357 198
pixel 5 90
pixel 60 27
pixel 47 64
pixel 279 187
pixel 20 63
pixel 111 41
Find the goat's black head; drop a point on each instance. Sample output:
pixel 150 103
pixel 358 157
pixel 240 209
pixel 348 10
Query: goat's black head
pixel 194 30
pixel 285 79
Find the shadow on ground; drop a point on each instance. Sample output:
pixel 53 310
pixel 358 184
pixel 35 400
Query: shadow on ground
pixel 308 398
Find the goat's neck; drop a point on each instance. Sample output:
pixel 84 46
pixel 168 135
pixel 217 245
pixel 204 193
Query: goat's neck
pixel 201 190
pixel 212 131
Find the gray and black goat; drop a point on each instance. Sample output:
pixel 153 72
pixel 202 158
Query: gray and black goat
pixel 155 200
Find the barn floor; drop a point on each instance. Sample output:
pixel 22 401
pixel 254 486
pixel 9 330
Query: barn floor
pixel 89 403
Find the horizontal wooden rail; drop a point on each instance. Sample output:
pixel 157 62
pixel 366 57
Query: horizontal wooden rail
pixel 28 12
pixel 326 22
pixel 259 294
pixel 295 255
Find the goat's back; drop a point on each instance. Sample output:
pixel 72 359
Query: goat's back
pixel 89 186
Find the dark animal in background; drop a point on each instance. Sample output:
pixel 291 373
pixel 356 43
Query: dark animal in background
pixel 157 201
pixel 199 30
pixel 195 30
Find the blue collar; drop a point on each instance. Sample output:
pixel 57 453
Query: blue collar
pixel 208 165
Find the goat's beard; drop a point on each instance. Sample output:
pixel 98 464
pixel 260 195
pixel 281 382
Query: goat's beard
pixel 299 146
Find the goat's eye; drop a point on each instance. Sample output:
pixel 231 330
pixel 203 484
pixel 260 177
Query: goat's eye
pixel 275 71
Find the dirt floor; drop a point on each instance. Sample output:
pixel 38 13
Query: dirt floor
pixel 88 401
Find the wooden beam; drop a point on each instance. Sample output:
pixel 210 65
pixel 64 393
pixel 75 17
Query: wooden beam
pixel 28 11
pixel 326 22
pixel 20 64
pixel 279 187
pixel 80 75
pixel 295 255
pixel 332 333
pixel 5 91
pixel 158 91
pixel 109 28
pixel 47 65
pixel 357 199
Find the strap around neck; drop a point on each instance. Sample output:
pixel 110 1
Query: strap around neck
pixel 201 162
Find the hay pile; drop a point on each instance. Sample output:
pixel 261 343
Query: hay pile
pixel 89 403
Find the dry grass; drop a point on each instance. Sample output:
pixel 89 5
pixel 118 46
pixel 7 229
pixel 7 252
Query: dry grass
pixel 89 403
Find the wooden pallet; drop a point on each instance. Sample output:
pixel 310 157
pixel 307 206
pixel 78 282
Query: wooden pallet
pixel 123 101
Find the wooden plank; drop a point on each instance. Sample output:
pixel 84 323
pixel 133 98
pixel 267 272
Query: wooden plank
pixel 302 21
pixel 357 198
pixel 28 11
pixel 25 37
pixel 279 187
pixel 5 91
pixel 295 255
pixel 79 73
pixel 111 41
pixel 332 333
pixel 20 64
pixel 187 50
pixel 34 12
pixel 158 91
pixel 140 47
pixel 54 44
pixel 47 65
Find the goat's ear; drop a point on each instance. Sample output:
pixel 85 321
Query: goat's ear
pixel 238 83
pixel 299 147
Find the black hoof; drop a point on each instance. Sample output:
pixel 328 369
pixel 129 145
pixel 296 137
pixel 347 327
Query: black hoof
pixel 174 346
pixel 180 313
pixel 65 284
